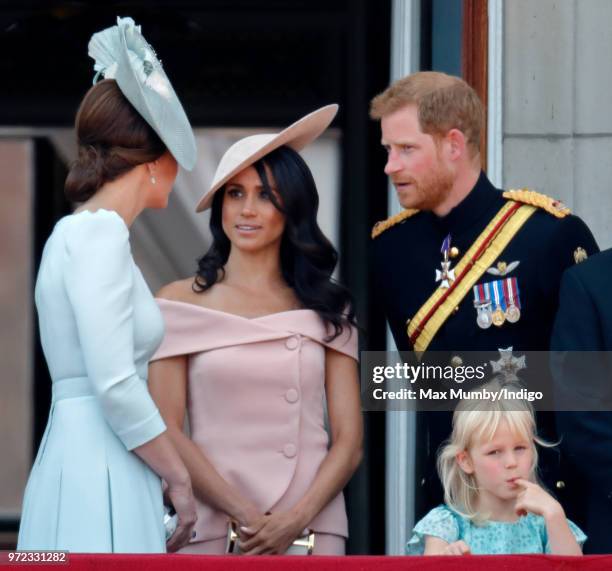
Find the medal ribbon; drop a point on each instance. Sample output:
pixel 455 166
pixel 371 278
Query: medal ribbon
pixel 498 290
pixel 478 295
pixel 514 292
pixel 508 291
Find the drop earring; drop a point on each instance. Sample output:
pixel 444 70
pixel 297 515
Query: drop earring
pixel 153 180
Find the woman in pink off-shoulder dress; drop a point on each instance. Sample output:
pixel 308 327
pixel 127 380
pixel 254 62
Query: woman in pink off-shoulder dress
pixel 259 346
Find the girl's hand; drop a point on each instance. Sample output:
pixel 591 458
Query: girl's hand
pixel 272 533
pixel 457 548
pixel 532 498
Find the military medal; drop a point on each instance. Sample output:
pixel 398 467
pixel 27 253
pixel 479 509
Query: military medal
pixel 447 275
pixel 497 302
pixel 482 303
pixel 498 315
pixel 484 319
pixel 513 313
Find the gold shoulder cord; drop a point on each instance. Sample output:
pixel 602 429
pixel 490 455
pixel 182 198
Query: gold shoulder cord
pixel 526 196
pixel 383 225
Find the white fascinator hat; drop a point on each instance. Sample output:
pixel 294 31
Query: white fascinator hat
pixel 249 150
pixel 121 53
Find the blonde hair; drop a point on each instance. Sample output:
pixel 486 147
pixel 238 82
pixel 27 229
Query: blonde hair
pixel 474 421
pixel 443 102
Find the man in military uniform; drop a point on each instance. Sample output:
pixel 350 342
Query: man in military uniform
pixel 465 266
pixel 584 323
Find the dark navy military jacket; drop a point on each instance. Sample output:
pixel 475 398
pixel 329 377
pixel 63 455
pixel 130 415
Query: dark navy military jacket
pixel 405 259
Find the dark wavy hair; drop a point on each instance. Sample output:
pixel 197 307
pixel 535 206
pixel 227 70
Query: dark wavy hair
pixel 307 257
pixel 112 139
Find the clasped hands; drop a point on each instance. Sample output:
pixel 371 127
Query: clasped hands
pixel 270 533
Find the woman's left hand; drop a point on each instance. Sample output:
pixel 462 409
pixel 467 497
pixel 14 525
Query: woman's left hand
pixel 272 533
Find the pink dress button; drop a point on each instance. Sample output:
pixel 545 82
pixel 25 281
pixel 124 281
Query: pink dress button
pixel 289 450
pixel 292 343
pixel 292 395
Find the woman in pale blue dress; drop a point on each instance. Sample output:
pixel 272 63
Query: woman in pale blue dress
pixel 95 484
pixel 493 501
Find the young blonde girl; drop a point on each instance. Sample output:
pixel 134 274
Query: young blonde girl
pixel 493 500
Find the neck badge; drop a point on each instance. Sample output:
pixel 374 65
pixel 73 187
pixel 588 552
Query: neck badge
pixel 447 275
pixel 507 366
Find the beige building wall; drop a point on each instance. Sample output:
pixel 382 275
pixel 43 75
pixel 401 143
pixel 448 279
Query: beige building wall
pixel 557 123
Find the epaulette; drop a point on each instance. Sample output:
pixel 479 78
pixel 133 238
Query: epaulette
pixel 526 196
pixel 383 225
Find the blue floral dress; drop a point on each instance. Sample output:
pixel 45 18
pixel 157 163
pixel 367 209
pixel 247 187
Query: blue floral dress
pixel 526 535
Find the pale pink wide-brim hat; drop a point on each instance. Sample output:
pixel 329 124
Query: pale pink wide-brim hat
pixel 249 150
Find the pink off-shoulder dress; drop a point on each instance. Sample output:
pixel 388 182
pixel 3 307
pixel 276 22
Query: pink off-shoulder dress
pixel 256 406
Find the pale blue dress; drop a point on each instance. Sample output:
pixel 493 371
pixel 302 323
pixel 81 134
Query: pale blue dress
pixel 526 535
pixel 99 326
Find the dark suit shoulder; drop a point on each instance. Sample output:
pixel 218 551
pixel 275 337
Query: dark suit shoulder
pixel 563 241
pixel 596 267
pixel 584 307
pixel 554 218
